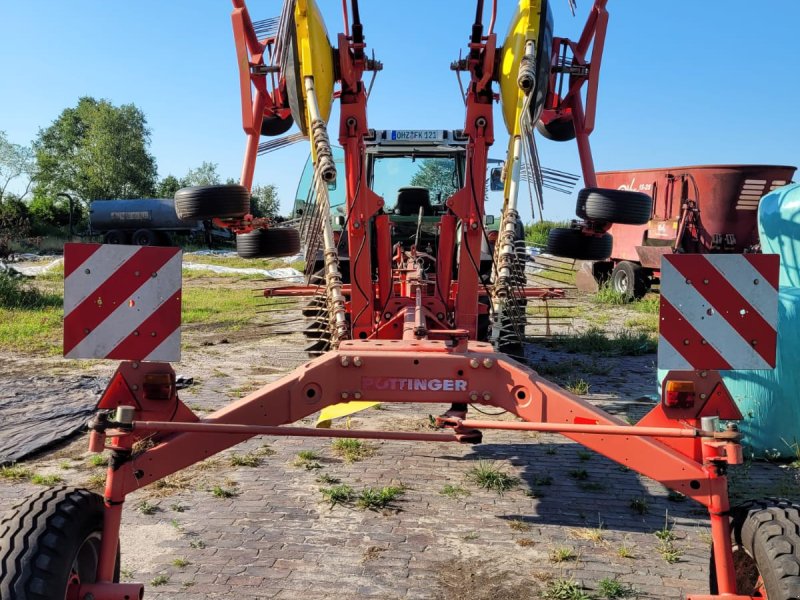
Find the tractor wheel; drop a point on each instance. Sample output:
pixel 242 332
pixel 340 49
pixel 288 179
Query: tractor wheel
pixel 268 243
pixel 115 236
pixel 144 237
pixel 614 206
pixel 572 243
pixel 210 201
pixel 629 279
pixel 766 550
pixel 274 125
pixel 557 130
pixel 50 542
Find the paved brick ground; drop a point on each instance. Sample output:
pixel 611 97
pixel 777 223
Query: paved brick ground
pixel 278 538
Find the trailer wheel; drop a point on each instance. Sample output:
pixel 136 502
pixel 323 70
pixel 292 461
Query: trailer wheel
pixel 557 130
pixel 766 550
pixel 629 279
pixel 614 206
pixel 115 236
pixel 210 201
pixel 572 243
pixel 273 125
pixel 268 243
pixel 144 237
pixel 49 542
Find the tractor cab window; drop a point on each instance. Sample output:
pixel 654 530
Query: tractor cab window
pixel 396 178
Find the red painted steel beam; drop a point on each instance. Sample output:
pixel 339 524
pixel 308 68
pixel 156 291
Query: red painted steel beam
pixel 595 429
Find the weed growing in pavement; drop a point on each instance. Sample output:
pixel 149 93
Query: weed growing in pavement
pixel 639 505
pixel 197 544
pixel 670 553
pixel 146 508
pixel 577 386
pixel 221 492
pixel 519 525
pixel 245 460
pixel 376 499
pixel 584 455
pixel 543 480
pixel 96 481
pixel 328 479
pixel 39 479
pixel 159 580
pixel 177 507
pixel 613 588
pixel 264 450
pixel 564 589
pixel 551 450
pixel 98 460
pixel 525 542
pixel 307 459
pixel 454 491
pixel 579 474
pixel 180 563
pixel 591 486
pixel 625 551
pixel 338 494
pixel 14 472
pixel 563 554
pixel 472 535
pixel 65 465
pixel 590 534
pixel 488 476
pixel 351 450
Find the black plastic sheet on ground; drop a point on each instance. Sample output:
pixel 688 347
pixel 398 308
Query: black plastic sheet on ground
pixel 38 412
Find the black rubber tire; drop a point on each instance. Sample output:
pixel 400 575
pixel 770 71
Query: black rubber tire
pixel 268 243
pixel 557 130
pixel 571 243
pixel 273 125
pixel 614 206
pixel 43 536
pixel 629 279
pixel 115 236
pixel 766 535
pixel 210 201
pixel 145 237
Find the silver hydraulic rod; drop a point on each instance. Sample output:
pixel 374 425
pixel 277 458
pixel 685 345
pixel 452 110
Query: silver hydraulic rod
pixel 325 172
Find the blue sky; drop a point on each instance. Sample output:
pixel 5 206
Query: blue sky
pixel 683 82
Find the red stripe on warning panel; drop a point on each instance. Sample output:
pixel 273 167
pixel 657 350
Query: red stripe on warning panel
pixel 728 303
pixel 686 340
pixel 151 333
pixel 77 254
pixel 112 293
pixel 767 266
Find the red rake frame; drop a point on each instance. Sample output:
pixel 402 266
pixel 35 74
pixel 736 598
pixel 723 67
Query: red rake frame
pixel 668 445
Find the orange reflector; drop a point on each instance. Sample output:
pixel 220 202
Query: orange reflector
pixel 158 386
pixel 679 394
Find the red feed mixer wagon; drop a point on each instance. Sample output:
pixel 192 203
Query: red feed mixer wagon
pixel 704 209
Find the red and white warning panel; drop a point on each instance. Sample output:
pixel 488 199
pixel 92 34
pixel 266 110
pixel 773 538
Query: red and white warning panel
pixel 718 311
pixel 122 302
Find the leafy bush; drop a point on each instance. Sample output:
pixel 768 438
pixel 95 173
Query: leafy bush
pixel 47 210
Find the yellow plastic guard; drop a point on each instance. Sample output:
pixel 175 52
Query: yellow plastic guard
pixel 315 54
pixel 345 409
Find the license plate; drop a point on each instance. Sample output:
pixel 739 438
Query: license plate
pixel 414 135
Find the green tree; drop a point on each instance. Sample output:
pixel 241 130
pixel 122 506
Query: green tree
pixel 264 201
pixel 438 176
pixel 15 161
pixel 94 151
pixel 205 174
pixel 168 186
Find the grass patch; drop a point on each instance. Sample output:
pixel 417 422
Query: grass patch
pixel 490 477
pixel 245 460
pixel 646 323
pixel 235 262
pixel 577 386
pixel 98 460
pixel 563 554
pixel 593 534
pixel 159 580
pixel 376 499
pixel 221 492
pixel 609 296
pixel 46 479
pixel 454 491
pixel 14 473
pixel 564 589
pixel 307 459
pixel 595 341
pixel 338 494
pixel 351 450
pixel 327 479
pixel 180 563
pixel 613 588
pixel 625 551
pixel 231 308
pixel 536 233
